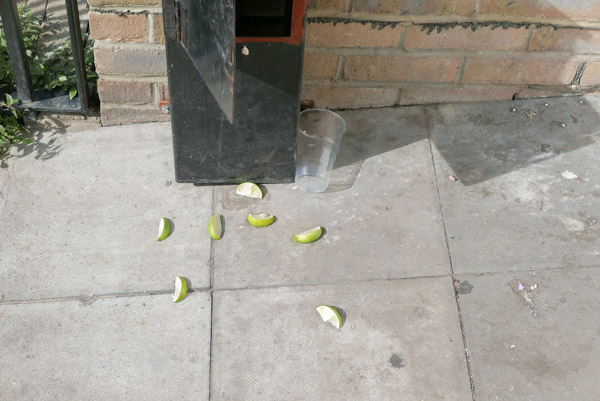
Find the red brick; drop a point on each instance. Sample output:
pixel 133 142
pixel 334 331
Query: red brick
pixel 576 9
pixel 101 3
pixel 124 92
pixel 320 65
pixel 461 38
pixel 116 114
pixel 591 75
pixel 454 95
pixel 130 60
pixel 163 91
pixel 401 69
pixel 347 97
pixel 352 35
pixel 119 28
pixel 421 7
pixel 543 71
pixel 565 40
pixel 158 30
pixel 339 5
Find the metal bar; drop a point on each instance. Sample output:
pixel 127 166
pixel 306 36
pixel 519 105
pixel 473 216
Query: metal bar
pixel 78 54
pixel 53 102
pixel 16 49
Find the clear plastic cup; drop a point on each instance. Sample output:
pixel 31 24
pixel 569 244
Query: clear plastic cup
pixel 320 135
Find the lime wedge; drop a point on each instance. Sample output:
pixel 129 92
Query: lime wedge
pixel 261 219
pixel 164 229
pixel 215 229
pixel 180 289
pixel 329 314
pixel 309 236
pixel 249 190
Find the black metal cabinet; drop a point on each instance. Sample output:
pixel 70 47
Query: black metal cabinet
pixel 234 70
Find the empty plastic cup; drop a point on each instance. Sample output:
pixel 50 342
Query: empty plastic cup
pixel 320 135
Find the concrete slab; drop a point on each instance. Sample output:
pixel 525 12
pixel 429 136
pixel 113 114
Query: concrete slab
pixel 528 189
pixel 538 345
pixel 132 348
pixel 382 215
pixel 400 340
pixel 80 214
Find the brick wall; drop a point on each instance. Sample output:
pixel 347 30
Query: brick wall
pixel 373 53
pixel 130 59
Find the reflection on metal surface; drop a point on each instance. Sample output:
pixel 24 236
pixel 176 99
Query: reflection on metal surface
pixel 206 29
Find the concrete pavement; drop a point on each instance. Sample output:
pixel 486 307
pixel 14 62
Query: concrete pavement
pixel 481 288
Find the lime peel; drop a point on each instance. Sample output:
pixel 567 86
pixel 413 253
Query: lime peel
pixel 309 236
pixel 250 190
pixel 261 219
pixel 215 227
pixel 180 289
pixel 331 315
pixel 164 229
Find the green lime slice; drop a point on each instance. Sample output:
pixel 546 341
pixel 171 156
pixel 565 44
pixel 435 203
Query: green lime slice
pixel 309 236
pixel 180 289
pixel 215 229
pixel 249 190
pixel 261 219
pixel 164 229
pixel 331 315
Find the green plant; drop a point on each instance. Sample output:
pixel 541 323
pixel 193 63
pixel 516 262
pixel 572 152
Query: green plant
pixel 50 71
pixel 10 124
pixel 54 70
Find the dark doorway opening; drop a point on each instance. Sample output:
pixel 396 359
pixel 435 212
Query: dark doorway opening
pixel 263 18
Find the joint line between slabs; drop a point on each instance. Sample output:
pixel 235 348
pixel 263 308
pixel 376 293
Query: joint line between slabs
pixel 91 298
pixel 437 187
pixel 212 298
pixel 454 285
pixel 210 347
pixel 211 262
pixel 322 283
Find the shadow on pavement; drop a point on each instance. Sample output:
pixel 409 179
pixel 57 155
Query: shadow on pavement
pixel 483 141
pixel 479 141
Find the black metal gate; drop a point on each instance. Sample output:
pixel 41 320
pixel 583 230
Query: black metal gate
pixel 234 70
pixel 43 100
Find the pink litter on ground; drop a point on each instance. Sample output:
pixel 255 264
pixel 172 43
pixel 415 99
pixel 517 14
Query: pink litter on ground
pixel 520 287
